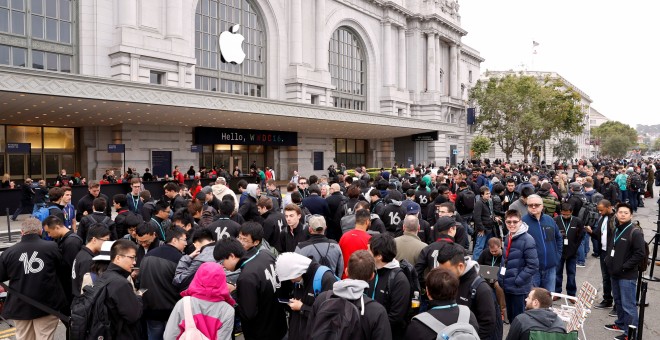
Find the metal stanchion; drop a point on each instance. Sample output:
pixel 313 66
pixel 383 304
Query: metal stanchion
pixel 8 226
pixel 655 241
pixel 640 330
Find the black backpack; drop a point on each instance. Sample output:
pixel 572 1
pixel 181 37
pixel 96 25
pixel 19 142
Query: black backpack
pixel 323 259
pixel 90 318
pixel 589 213
pixel 410 273
pixel 498 332
pixel 466 200
pixel 636 182
pixel 338 319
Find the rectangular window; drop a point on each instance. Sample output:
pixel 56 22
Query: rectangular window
pixel 65 63
pixel 37 26
pixel 315 99
pixel 51 61
pixel 18 56
pixel 38 60
pixel 18 22
pixel 318 161
pixel 156 77
pixel 4 20
pixel 5 52
pixel 51 29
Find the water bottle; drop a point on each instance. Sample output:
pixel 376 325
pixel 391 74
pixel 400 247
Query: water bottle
pixel 415 300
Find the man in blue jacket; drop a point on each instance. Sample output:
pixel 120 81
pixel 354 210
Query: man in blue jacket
pixel 549 242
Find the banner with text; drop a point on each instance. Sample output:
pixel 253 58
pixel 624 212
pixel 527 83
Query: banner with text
pixel 209 136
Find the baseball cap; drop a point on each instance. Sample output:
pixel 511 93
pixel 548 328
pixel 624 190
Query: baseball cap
pixel 413 209
pixel 444 223
pixel 104 254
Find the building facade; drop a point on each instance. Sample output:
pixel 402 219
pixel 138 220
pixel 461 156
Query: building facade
pixel 543 151
pixel 360 82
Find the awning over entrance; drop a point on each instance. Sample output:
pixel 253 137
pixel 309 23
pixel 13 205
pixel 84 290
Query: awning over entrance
pixel 34 97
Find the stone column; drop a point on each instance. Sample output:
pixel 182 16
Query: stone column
pixel 387 54
pixel 321 42
pixel 126 13
pixel 296 32
pixel 453 70
pixel 174 22
pixel 403 65
pixel 430 62
pixel 438 64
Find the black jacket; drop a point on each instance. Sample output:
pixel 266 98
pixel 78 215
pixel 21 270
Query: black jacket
pixel 249 209
pixel 573 230
pixel 141 252
pixel 289 239
pixel 374 323
pixel 85 204
pixel 317 205
pixel 576 201
pixel 262 316
pixel 395 297
pixel 134 204
pixel 69 246
pixel 40 283
pixel 335 202
pixel 120 226
pixel 305 292
pixel 392 216
pixel 418 330
pixel 223 227
pixel 483 306
pixel 156 274
pixel 27 195
pixel 274 221
pixel 81 266
pixel 427 259
pixel 610 192
pixel 481 215
pixel 124 306
pixel 94 218
pixel 178 202
pixel 629 251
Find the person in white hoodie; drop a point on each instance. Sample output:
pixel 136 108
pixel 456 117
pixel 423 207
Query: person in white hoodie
pixel 373 316
pixel 249 209
pixel 220 189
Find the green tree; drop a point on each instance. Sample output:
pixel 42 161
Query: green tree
pixel 615 136
pixel 480 146
pixel 565 149
pixel 615 146
pixel 520 112
pixel 656 144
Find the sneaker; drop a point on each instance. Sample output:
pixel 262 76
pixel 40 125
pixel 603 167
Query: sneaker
pixel 612 312
pixel 604 304
pixel 621 337
pixel 595 255
pixel 581 265
pixel 613 327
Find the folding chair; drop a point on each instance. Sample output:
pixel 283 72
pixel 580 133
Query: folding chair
pixel 575 316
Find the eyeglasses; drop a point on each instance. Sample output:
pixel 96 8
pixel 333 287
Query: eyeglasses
pixel 534 205
pixel 129 256
pixel 136 186
pixel 302 183
pixel 103 239
pixel 512 222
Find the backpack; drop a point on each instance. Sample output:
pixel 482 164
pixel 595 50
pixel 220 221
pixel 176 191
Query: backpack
pixel 589 213
pixel 338 319
pixel 323 260
pixel 347 222
pixel 644 263
pixel 191 332
pixel 498 333
pixel 550 205
pixel 636 182
pixel 467 199
pixel 90 317
pixel 42 213
pixel 461 330
pixel 317 284
pixel 410 273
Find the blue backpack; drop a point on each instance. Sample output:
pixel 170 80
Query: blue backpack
pixel 44 212
pixel 318 278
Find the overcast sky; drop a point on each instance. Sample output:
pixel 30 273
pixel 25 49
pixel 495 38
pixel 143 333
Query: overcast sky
pixel 608 49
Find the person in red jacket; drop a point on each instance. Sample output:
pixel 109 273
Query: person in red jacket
pixel 356 239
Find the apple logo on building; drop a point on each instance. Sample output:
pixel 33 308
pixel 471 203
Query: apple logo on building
pixel 231 46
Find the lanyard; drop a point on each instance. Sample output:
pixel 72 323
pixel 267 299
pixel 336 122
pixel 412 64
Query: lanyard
pixel 135 202
pixel 508 248
pixel 492 264
pixel 616 238
pixel 250 259
pixel 160 226
pixel 603 226
pixel 569 224
pixel 446 306
pixel 373 294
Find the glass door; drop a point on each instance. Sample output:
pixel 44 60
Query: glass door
pixel 18 167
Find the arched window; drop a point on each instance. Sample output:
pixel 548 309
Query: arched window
pixel 348 70
pixel 214 17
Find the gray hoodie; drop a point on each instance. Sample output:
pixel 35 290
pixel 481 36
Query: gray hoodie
pixel 535 319
pixel 252 190
pixel 351 290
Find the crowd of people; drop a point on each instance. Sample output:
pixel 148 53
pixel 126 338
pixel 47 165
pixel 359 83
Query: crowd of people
pixel 392 255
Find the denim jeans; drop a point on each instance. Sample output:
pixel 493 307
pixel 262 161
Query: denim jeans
pixel 515 305
pixel 583 249
pixel 633 196
pixel 626 303
pixel 607 281
pixel 623 195
pixel 480 243
pixel 21 208
pixel 546 278
pixel 571 287
pixel 156 329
